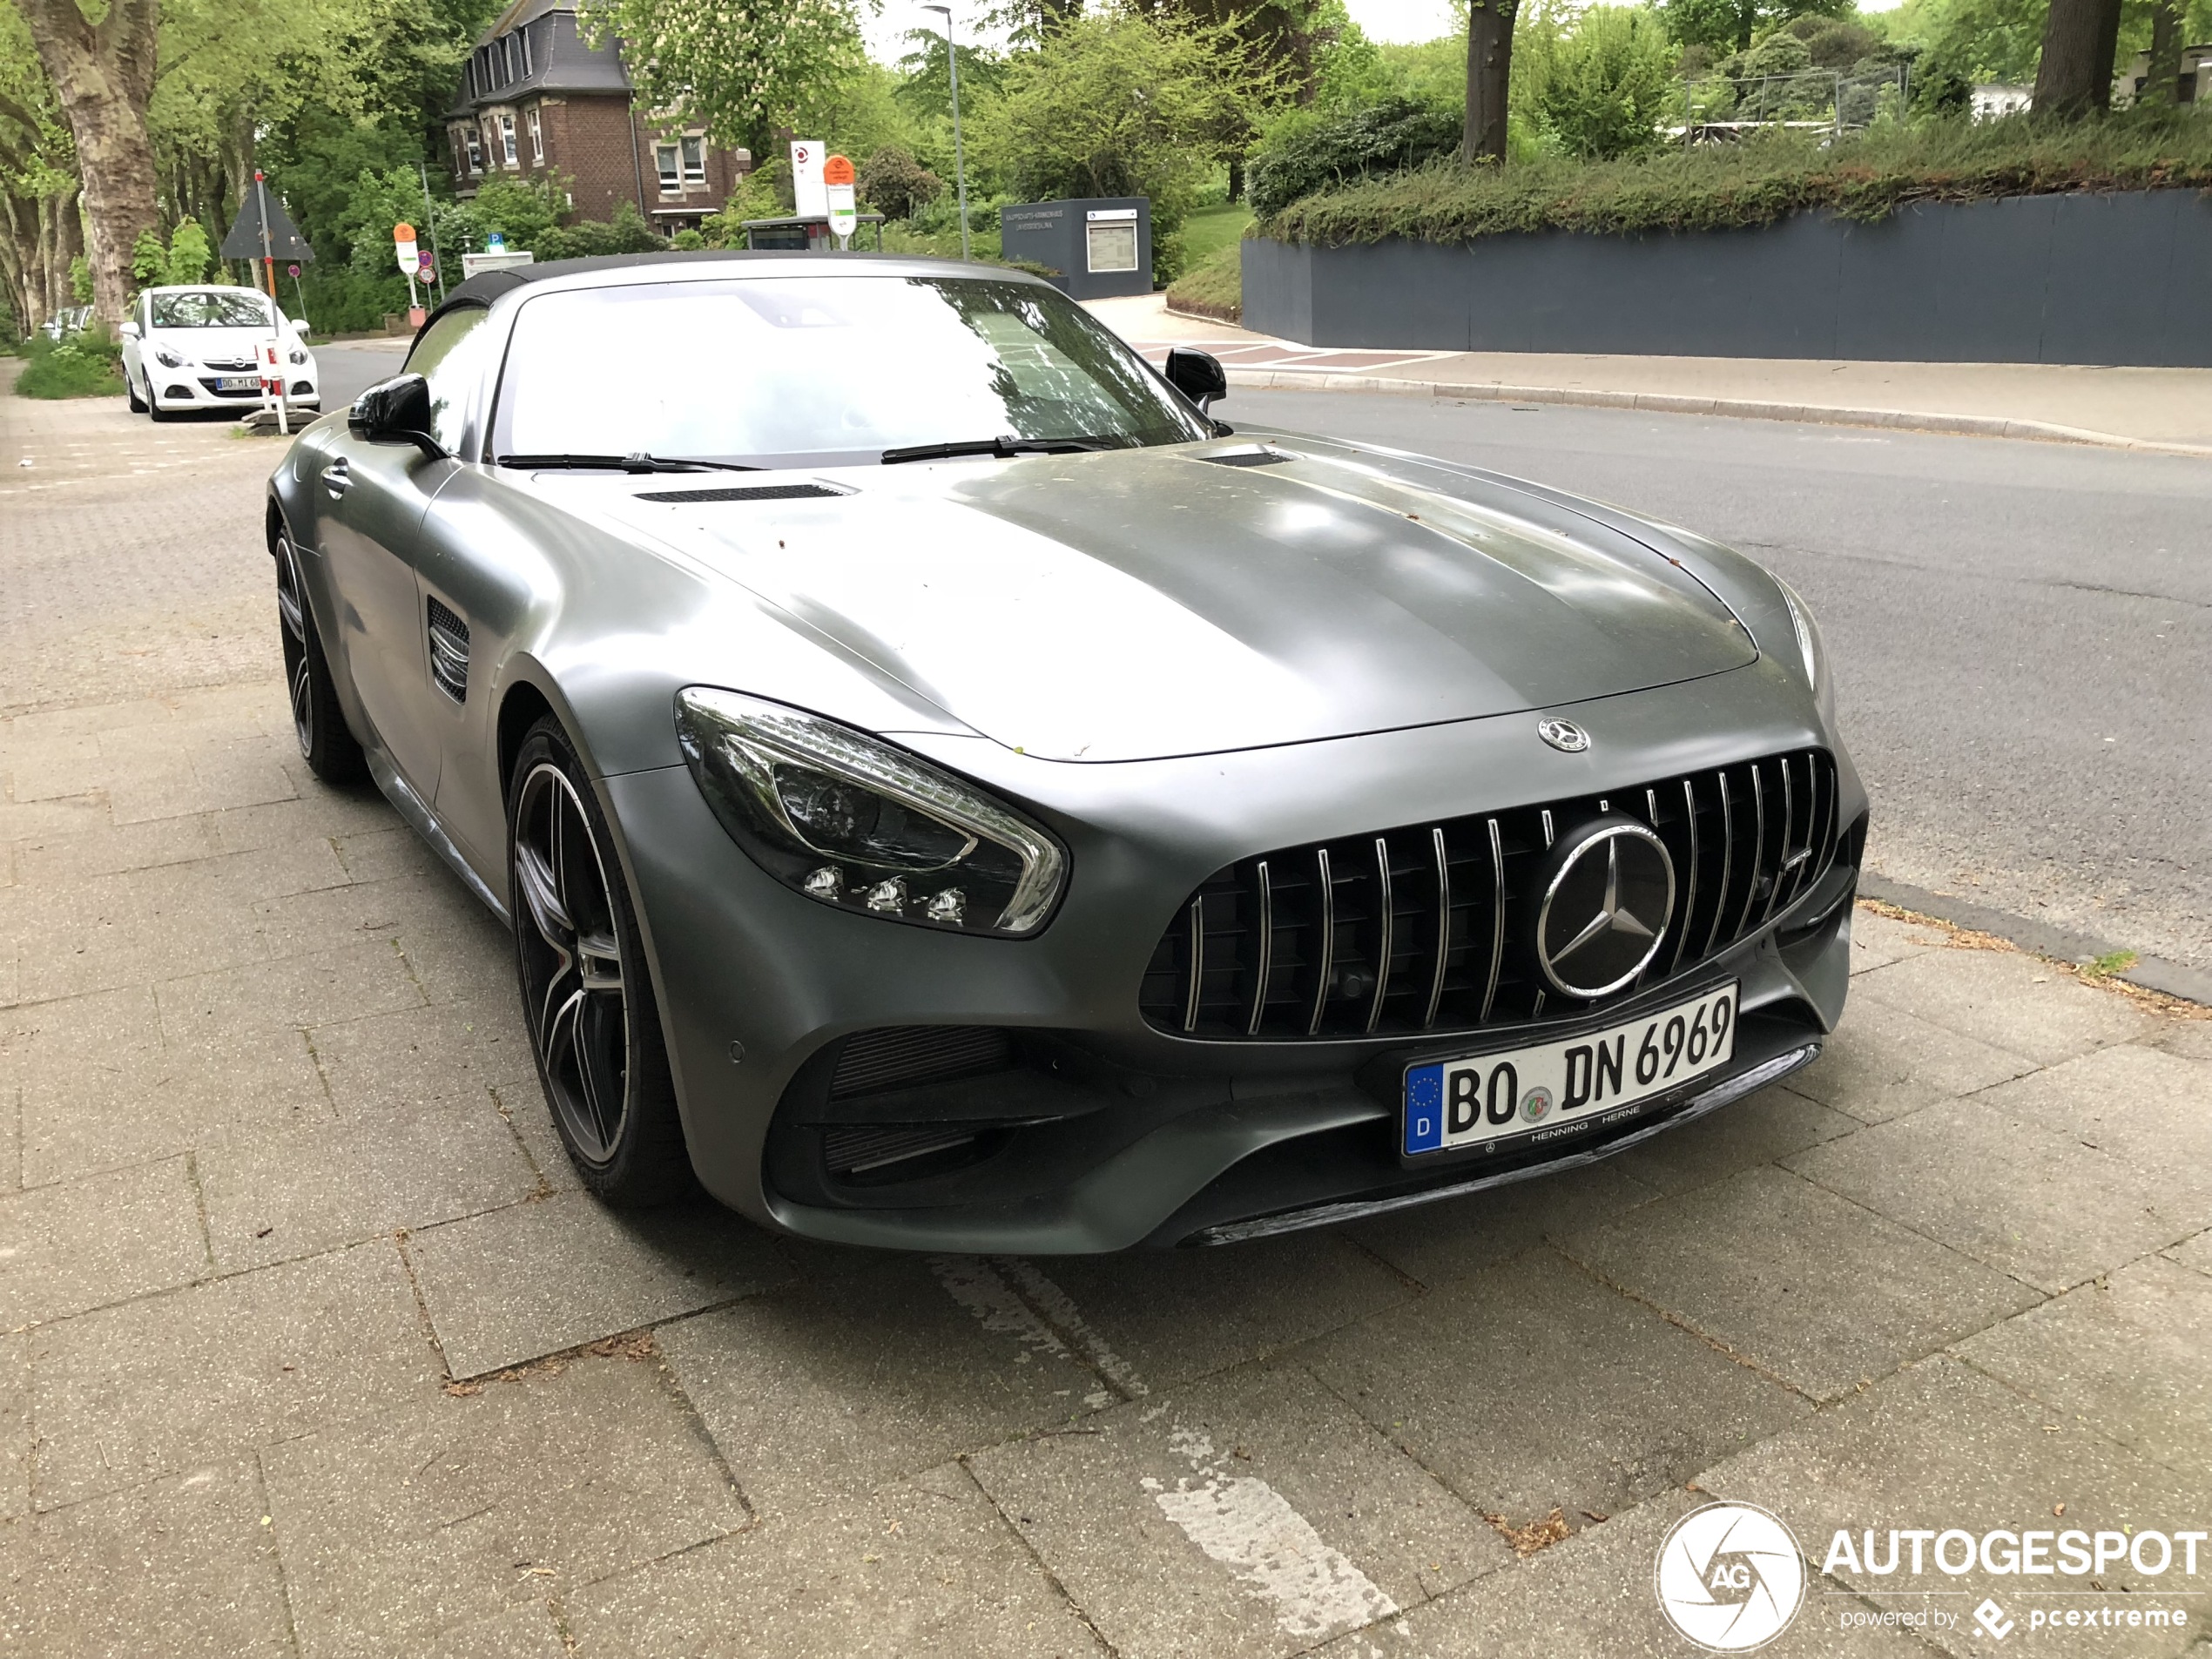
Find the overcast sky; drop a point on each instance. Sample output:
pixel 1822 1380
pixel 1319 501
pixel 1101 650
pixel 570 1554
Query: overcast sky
pixel 1390 20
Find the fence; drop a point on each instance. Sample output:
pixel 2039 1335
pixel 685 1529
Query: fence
pixel 1721 108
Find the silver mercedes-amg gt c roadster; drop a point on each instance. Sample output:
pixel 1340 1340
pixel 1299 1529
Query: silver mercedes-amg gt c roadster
pixel 949 791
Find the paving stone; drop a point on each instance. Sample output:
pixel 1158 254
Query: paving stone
pixel 135 929
pixel 833 1386
pixel 101 1088
pixel 524 1105
pixel 2151 1108
pixel 421 1053
pixel 1884 1062
pixel 536 1278
pixel 1437 1243
pixel 2132 1354
pixel 276 1200
pixel 1768 1125
pixel 112 850
pixel 1167 1315
pixel 1941 1446
pixel 321 809
pixel 467 957
pixel 529 1631
pixel 2190 1038
pixel 73 814
pixel 1539 1388
pixel 393 911
pixel 102 1239
pixel 381 853
pixel 2006 999
pixel 1877 940
pixel 1763 1262
pixel 180 1565
pixel 2194 1252
pixel 348 980
pixel 169 1382
pixel 926 1569
pixel 1591 1597
pixel 2002 1189
pixel 14 1425
pixel 249 774
pixel 444 1513
pixel 1253 1514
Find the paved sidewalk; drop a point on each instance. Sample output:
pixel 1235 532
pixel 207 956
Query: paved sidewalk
pixel 2163 408
pixel 310 1346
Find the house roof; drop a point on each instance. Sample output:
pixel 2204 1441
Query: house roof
pixel 561 60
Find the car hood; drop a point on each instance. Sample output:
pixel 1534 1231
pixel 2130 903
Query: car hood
pixel 221 345
pixel 1145 604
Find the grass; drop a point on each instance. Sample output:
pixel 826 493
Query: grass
pixel 1209 230
pixel 86 365
pixel 1214 287
pixel 2112 962
pixel 1865 177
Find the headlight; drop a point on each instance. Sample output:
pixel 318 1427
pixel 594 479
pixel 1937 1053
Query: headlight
pixel 166 358
pixel 860 825
pixel 1809 646
pixel 298 354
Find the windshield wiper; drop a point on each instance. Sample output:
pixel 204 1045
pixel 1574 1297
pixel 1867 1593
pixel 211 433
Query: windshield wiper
pixel 1004 448
pixel 637 462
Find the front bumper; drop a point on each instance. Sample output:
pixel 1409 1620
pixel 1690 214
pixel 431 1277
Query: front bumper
pixel 1108 1133
pixel 194 387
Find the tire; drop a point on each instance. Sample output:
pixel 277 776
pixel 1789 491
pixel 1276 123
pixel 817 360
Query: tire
pixel 332 752
pixel 153 405
pixel 587 994
pixel 137 403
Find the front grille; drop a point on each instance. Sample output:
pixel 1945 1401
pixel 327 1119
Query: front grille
pixel 745 492
pixel 860 1149
pixel 906 1057
pixel 1427 928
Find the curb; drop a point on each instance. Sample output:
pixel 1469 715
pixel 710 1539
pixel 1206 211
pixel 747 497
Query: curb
pixel 2060 944
pixel 1978 426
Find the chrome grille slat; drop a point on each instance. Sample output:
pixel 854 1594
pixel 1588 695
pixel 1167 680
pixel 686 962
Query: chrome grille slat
pixel 1234 964
pixel 1266 969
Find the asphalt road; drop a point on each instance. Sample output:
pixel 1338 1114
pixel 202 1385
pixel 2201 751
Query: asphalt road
pixel 349 370
pixel 2022 632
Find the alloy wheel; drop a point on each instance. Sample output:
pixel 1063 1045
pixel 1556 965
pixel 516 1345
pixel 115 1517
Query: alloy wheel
pixel 575 995
pixel 291 610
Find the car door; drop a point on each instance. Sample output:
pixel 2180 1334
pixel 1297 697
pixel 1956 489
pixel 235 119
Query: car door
pixel 375 496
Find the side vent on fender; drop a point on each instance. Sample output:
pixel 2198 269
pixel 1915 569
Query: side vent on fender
pixel 448 651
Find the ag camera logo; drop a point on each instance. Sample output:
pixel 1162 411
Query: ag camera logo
pixel 1729 1577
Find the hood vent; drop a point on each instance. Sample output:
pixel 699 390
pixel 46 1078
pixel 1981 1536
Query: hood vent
pixel 448 651
pixel 745 492
pixel 1260 456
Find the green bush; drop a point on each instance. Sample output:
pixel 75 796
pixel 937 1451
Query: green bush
pixel 1215 288
pixel 88 364
pixel 895 184
pixel 1608 82
pixel 1864 176
pixel 626 233
pixel 1301 157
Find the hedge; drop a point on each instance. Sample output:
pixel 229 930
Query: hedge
pixel 1866 176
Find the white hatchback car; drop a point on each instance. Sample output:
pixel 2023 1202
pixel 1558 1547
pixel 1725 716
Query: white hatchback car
pixel 194 348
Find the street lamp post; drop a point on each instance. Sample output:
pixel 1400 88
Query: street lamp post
pixel 960 159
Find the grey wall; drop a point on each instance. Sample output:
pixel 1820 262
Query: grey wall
pixel 1053 234
pixel 2086 279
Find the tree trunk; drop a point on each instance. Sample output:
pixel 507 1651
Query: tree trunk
pixel 103 74
pixel 2074 77
pixel 1489 72
pixel 2162 80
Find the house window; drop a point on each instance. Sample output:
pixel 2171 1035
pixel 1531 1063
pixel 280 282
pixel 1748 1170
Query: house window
pixel 694 161
pixel 491 140
pixel 475 150
pixel 537 136
pixel 666 158
pixel 525 39
pixel 507 139
pixel 506 60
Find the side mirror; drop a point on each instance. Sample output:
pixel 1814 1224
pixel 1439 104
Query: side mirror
pixel 299 326
pixel 129 331
pixel 1198 376
pixel 395 411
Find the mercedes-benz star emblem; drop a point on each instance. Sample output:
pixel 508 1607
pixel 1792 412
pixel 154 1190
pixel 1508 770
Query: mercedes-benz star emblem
pixel 1605 910
pixel 1563 735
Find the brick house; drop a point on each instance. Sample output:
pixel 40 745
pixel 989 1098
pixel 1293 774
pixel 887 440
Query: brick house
pixel 535 97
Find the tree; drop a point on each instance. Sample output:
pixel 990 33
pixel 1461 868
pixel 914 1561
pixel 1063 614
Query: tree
pixel 2162 74
pixel 103 73
pixel 1489 78
pixel 1607 84
pixel 1727 25
pixel 2075 75
pixel 736 66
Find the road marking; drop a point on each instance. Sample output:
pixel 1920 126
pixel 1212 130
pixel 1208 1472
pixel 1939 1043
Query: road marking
pixel 975 1285
pixel 1059 1310
pixel 1247 1526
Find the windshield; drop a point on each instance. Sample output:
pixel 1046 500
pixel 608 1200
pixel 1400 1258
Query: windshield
pixel 211 308
pixel 820 371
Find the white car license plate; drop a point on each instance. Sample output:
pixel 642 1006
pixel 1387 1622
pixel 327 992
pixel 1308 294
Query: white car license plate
pixel 238 383
pixel 1453 1105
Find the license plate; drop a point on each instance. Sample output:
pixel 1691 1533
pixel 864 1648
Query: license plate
pixel 238 383
pixel 1553 1088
